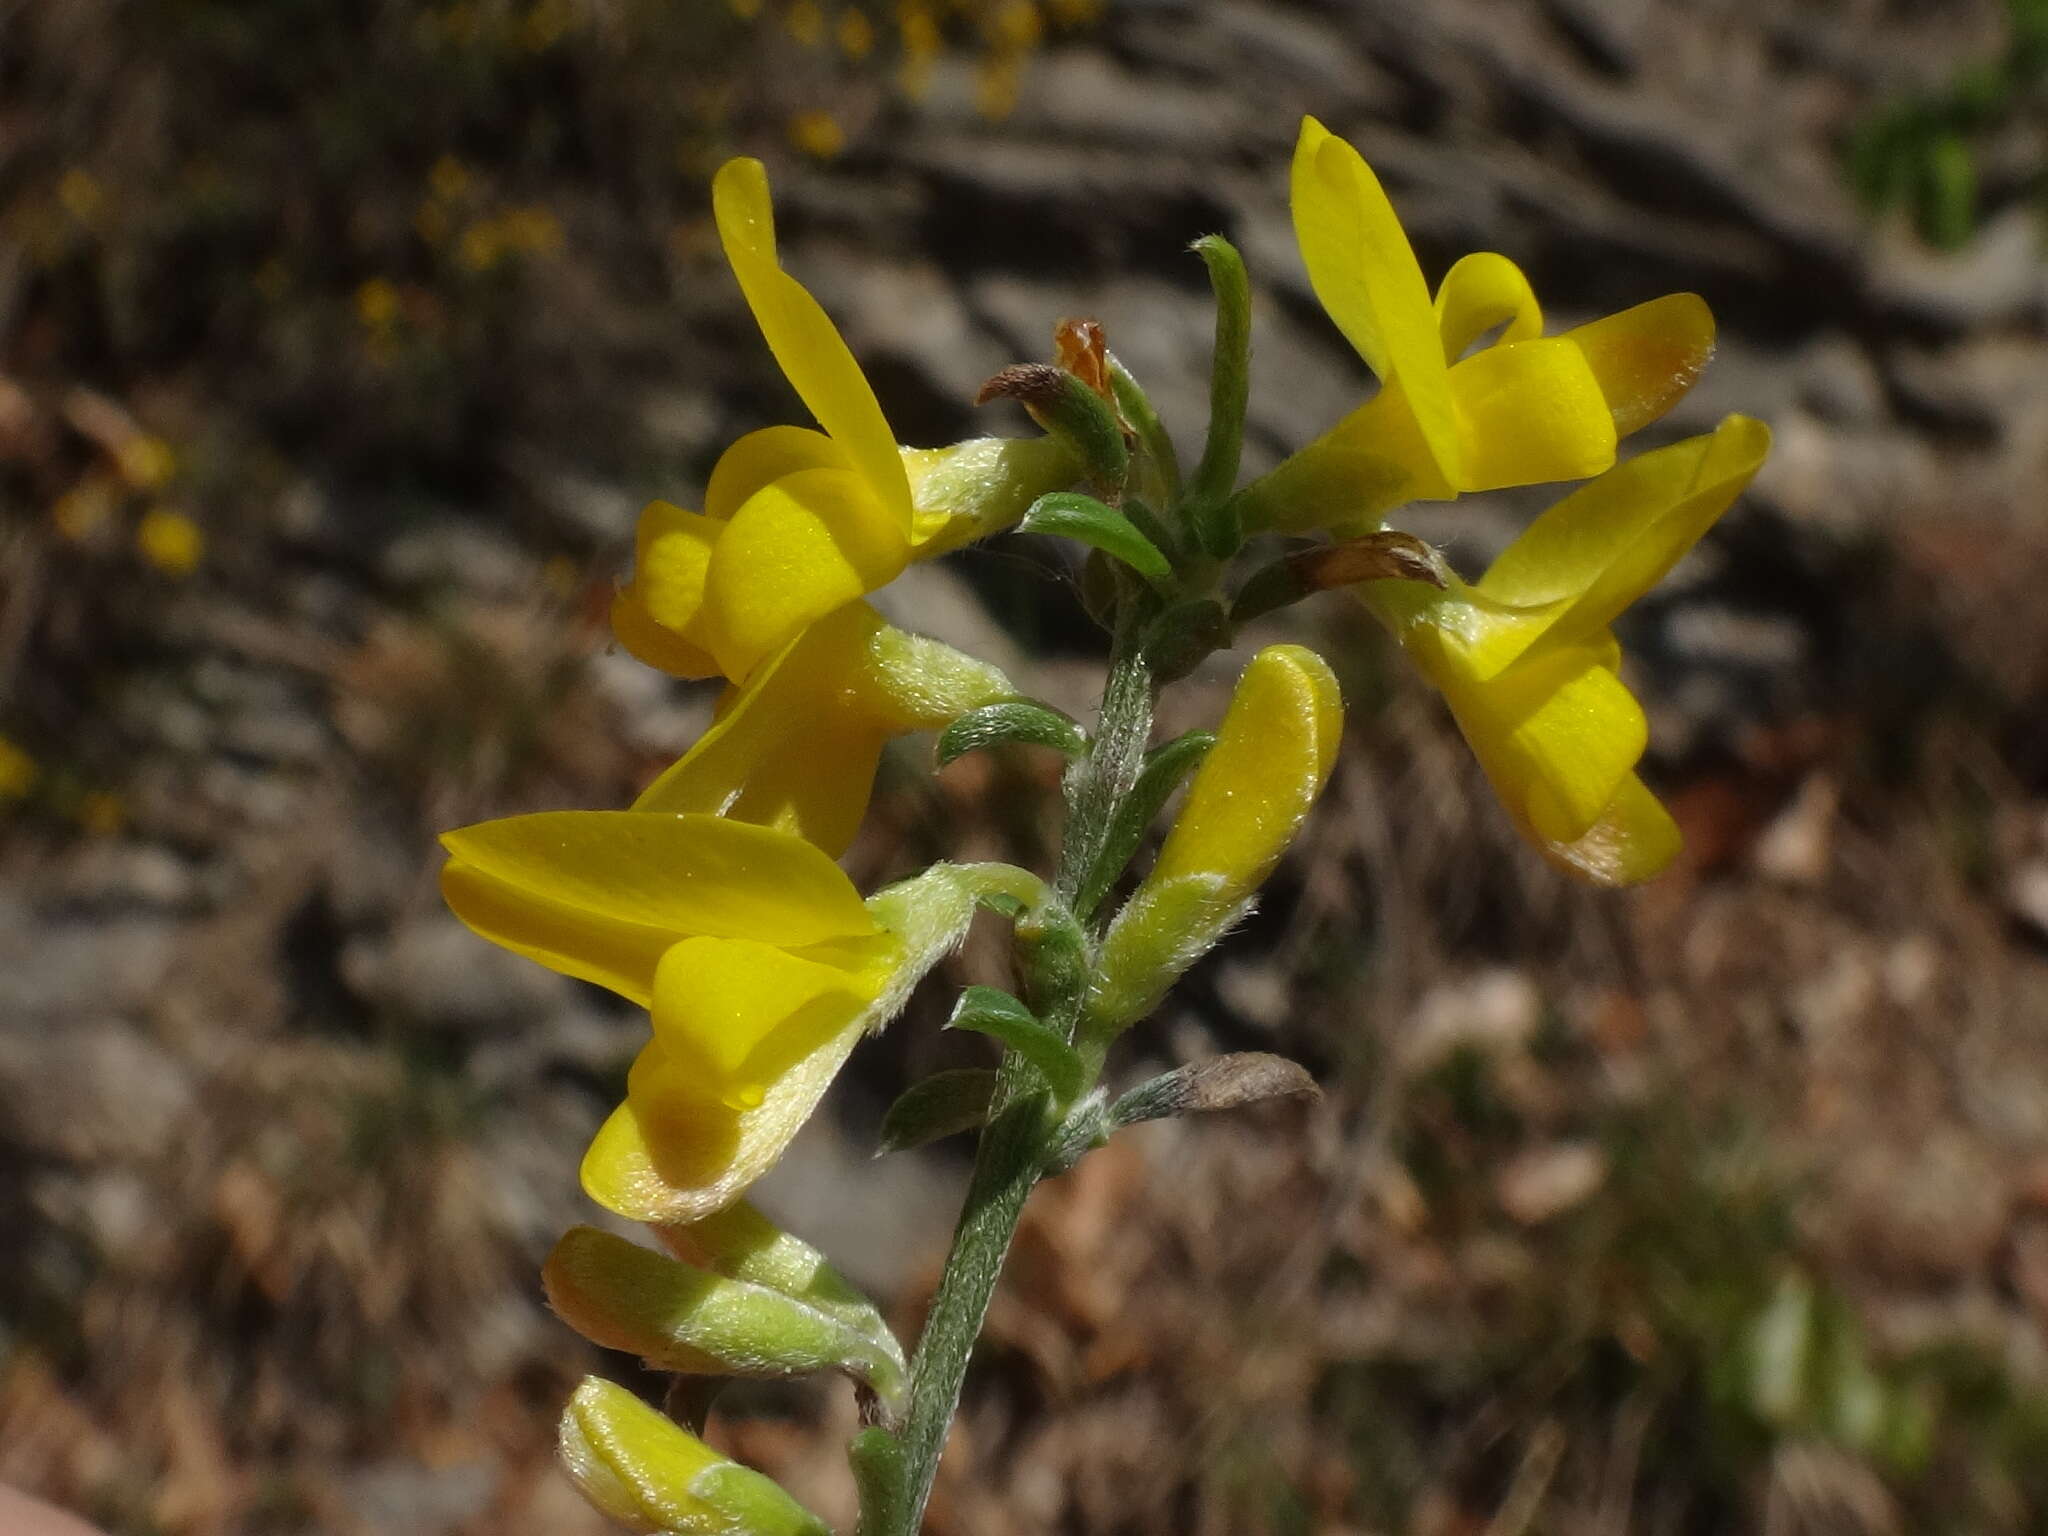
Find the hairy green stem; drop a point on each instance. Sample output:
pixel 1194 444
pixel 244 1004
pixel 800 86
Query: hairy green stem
pixel 1006 1166
pixel 1098 783
pixel 1012 1153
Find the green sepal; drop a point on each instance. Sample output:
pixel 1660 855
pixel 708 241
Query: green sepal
pixel 993 1012
pixel 1009 721
pixel 1267 589
pixel 742 1244
pixel 753 1503
pixel 1186 634
pixel 1222 1082
pixel 1072 412
pixel 1212 519
pixel 1166 766
pixel 1102 588
pixel 1162 930
pixel 1052 956
pixel 881 1474
pixel 944 1104
pixel 1070 515
pixel 680 1318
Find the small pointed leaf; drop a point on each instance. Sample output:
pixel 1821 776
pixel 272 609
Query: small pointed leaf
pixel 944 1104
pixel 993 1012
pixel 1011 720
pixel 882 1475
pixel 1070 515
pixel 1222 1082
pixel 1215 522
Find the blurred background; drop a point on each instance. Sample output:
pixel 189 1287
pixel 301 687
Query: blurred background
pixel 339 347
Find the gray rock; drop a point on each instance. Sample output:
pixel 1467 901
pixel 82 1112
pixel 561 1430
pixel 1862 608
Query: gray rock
pixel 1839 383
pixel 433 971
pixel 420 1500
pixel 116 876
pixel 91 1091
pixel 111 964
pixel 462 555
pixel 1999 278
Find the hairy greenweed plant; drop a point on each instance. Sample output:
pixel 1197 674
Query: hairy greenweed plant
pixel 714 902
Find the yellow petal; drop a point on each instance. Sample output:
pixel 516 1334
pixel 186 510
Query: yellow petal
pixel 632 1463
pixel 796 746
pixel 1530 412
pixel 1634 839
pixel 632 873
pixel 763 457
pixel 1365 274
pixel 1481 291
pixel 671 554
pixel 1610 541
pixel 1252 792
pixel 736 1014
pixel 662 649
pixel 594 947
pixel 1647 357
pixel 805 343
pixel 800 547
pixel 673 1152
pixel 1557 734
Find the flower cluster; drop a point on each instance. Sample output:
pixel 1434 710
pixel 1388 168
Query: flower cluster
pixel 714 902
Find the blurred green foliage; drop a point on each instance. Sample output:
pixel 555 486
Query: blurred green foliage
pixel 1931 153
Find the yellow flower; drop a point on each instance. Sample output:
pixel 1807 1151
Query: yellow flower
pixel 818 133
pixel 753 952
pixel 18 771
pixel 759 963
pixel 1528 666
pixel 1254 790
pixel 797 523
pixel 170 541
pixel 795 746
pixel 1523 410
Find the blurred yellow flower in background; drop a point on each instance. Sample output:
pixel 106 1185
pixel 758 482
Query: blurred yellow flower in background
pixel 170 541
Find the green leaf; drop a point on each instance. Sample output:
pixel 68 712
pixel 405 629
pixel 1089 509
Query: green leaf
pixel 944 1104
pixel 1011 720
pixel 1165 768
pixel 1222 1082
pixel 1153 438
pixel 993 1012
pixel 1070 515
pixel 1213 521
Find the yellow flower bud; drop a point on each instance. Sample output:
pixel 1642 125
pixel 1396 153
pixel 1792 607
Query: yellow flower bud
pixel 639 1469
pixel 1273 753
